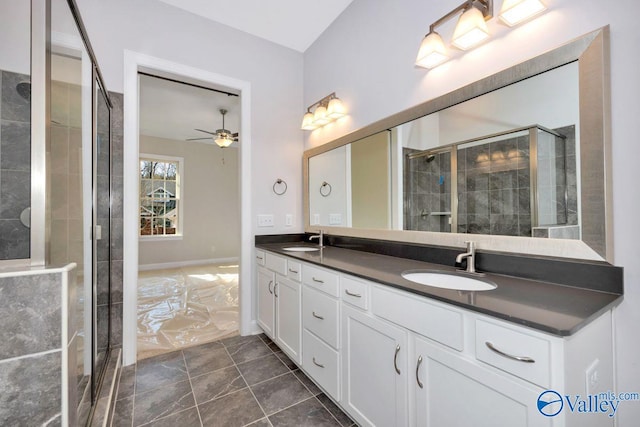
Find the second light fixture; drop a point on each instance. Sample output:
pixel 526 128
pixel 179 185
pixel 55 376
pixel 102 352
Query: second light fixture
pixel 328 109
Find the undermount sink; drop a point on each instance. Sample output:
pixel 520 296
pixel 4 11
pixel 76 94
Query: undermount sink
pixel 446 280
pixel 301 249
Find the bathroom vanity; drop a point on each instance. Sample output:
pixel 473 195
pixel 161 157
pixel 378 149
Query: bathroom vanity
pixel 392 352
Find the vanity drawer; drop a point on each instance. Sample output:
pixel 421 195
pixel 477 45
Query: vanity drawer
pixel 510 344
pixel 320 315
pixel 354 292
pixel 321 363
pixel 323 280
pixel 276 263
pixel 294 270
pixel 260 257
pixel 416 313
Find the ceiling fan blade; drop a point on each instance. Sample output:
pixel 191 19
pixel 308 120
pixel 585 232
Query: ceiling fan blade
pixel 206 131
pixel 196 139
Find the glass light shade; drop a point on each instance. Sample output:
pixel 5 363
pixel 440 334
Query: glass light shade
pixel 224 142
pixel 336 109
pixel 432 51
pixel 471 29
pixel 320 117
pixel 307 122
pixel 514 12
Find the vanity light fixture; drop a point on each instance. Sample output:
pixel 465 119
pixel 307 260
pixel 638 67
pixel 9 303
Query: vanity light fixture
pixel 514 12
pixel 471 28
pixel 328 109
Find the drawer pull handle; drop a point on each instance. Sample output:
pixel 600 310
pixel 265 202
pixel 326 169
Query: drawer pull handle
pixel 293 271
pixel 274 289
pixel 316 316
pixel 524 359
pixel 395 359
pixel 260 258
pixel 317 280
pixel 317 364
pixel 351 294
pixel 269 286
pixel 418 371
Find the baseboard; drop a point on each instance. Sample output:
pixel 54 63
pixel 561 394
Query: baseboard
pixel 178 264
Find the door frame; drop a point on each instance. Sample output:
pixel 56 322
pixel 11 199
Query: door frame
pixel 133 63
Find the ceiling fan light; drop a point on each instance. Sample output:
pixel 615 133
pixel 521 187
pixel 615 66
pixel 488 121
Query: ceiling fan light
pixel 432 51
pixel 336 109
pixel 471 29
pixel 514 12
pixel 320 117
pixel 223 142
pixel 307 122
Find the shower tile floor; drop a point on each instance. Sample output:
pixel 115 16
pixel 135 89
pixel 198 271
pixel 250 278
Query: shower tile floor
pixel 182 307
pixel 238 381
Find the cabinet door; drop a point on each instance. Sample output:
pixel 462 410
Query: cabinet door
pixel 375 373
pixel 460 392
pixel 266 313
pixel 288 319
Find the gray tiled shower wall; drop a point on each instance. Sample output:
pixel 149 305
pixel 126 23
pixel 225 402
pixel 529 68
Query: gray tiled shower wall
pixel 117 119
pixel 15 166
pixel 494 187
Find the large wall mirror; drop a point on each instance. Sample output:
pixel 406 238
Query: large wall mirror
pixel 522 154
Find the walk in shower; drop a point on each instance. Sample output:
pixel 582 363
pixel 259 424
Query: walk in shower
pixel 55 210
pixel 520 182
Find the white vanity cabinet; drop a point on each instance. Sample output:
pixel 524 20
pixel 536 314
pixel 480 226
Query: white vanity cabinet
pixel 279 302
pixel 390 357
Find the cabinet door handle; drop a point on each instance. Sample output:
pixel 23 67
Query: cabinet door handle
pixel 395 359
pixel 524 359
pixel 274 289
pixel 317 364
pixel 317 280
pixel 316 316
pixel 259 257
pixel 351 294
pixel 418 371
pixel 269 286
pixel 293 271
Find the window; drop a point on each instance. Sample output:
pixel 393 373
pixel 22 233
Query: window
pixel 160 205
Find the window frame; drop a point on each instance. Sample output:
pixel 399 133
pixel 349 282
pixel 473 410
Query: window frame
pixel 178 196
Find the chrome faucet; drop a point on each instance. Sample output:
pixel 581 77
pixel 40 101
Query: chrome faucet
pixel 470 255
pixel 320 238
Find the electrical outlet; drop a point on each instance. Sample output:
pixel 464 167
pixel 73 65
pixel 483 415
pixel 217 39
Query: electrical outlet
pixel 592 377
pixel 335 219
pixel 265 220
pixel 288 220
pixel 316 219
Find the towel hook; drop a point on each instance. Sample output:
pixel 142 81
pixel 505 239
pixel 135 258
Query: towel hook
pixel 277 183
pixel 323 189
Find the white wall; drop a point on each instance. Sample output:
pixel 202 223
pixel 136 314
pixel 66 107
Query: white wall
pixel 275 74
pixel 15 36
pixel 210 203
pixel 371 88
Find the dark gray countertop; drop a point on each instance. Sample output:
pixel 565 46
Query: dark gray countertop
pixel 557 309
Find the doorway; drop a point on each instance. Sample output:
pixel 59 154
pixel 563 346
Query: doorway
pixel 135 63
pixel 189 231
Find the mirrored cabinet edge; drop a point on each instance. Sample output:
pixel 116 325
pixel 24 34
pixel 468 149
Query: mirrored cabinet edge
pixel 591 51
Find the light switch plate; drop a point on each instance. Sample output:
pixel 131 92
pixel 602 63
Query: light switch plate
pixel 335 219
pixel 288 220
pixel 265 220
pixel 316 219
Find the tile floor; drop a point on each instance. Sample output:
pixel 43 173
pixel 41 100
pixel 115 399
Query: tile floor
pixel 239 381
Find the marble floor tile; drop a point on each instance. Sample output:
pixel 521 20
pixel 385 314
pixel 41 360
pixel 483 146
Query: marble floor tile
pixel 127 384
pixel 187 418
pixel 310 385
pixel 238 339
pixel 248 351
pixel 340 416
pixel 159 371
pixel 123 413
pixel 309 413
pixel 262 369
pixel 280 392
pixel 200 361
pixel 233 410
pixel 217 384
pixel 162 402
pixel 261 423
pixel 285 359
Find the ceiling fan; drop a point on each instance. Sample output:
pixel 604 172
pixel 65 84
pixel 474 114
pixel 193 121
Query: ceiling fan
pixel 222 137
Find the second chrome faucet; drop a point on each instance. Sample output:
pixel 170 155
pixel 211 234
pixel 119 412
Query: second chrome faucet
pixel 470 256
pixel 320 238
